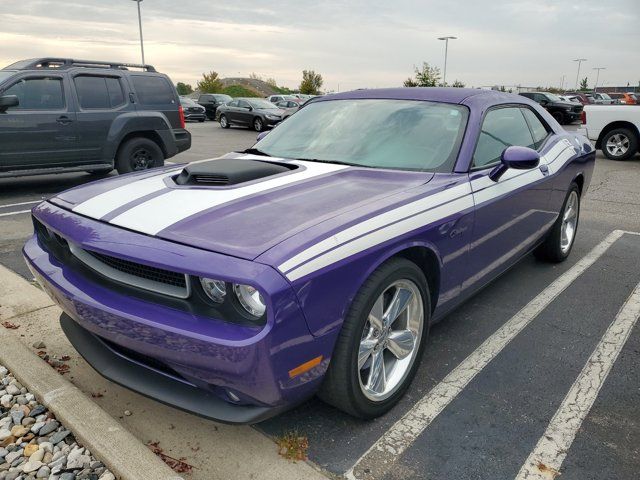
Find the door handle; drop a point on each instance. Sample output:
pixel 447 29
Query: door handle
pixel 544 169
pixel 64 120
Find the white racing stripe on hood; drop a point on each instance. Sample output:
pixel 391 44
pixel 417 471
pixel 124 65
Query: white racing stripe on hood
pixel 104 203
pixel 164 210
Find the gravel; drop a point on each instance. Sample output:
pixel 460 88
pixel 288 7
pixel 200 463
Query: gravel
pixel 33 444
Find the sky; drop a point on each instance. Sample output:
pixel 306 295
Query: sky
pixel 353 44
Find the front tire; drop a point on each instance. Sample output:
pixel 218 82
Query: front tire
pixel 138 154
pixel 619 144
pixel 224 123
pixel 258 124
pixel 559 117
pixel 381 342
pixel 558 244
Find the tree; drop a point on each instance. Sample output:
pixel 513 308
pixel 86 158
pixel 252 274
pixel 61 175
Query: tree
pixel 311 82
pixel 458 84
pixel 184 88
pixel 255 76
pixel 271 82
pixel 210 83
pixel 584 84
pixel 426 77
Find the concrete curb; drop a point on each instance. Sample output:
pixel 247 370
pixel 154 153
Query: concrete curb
pixel 94 428
pixel 119 450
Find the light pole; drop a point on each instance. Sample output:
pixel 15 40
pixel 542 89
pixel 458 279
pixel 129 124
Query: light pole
pixel 446 51
pixel 140 26
pixel 595 87
pixel 579 60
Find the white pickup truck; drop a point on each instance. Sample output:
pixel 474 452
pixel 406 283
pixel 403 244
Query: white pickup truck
pixel 615 129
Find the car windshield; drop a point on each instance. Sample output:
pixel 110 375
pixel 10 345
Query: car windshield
pixel 552 98
pixel 259 103
pixel 396 134
pixel 187 101
pixel 223 98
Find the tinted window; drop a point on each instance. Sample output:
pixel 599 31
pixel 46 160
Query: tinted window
pixel 222 98
pixel 98 92
pixel 153 90
pixel 501 128
pixel 538 129
pixel 397 134
pixel 38 94
pixel 233 104
pixel 243 104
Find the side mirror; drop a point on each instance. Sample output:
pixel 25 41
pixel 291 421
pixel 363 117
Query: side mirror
pixel 518 158
pixel 8 101
pixel 544 102
pixel 261 135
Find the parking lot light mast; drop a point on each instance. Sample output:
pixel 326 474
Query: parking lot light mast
pixel 579 60
pixel 140 27
pixel 446 51
pixel 595 87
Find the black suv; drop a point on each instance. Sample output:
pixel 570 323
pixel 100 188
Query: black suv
pixel 211 102
pixel 62 115
pixel 563 112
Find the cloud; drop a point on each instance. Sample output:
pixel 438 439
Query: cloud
pixel 352 43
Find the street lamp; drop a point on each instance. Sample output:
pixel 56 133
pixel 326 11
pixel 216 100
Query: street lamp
pixel 595 87
pixel 140 26
pixel 579 60
pixel 446 50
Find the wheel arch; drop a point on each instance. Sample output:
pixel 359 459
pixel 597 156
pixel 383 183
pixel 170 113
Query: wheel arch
pixel 613 126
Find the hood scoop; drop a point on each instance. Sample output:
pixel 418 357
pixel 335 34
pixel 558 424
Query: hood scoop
pixel 217 173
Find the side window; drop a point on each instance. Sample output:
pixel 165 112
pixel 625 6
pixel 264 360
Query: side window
pixel 243 104
pixel 98 92
pixel 153 90
pixel 38 94
pixel 501 128
pixel 233 104
pixel 538 129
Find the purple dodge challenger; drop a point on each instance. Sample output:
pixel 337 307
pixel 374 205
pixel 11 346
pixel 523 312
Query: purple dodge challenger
pixel 316 261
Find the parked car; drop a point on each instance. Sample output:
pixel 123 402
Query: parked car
pixel 63 115
pixel 289 106
pixel 615 129
pixel 315 261
pixel 569 98
pixel 583 98
pixel 602 98
pixel 281 98
pixel 625 98
pixel 211 102
pixel 192 110
pixel 255 113
pixel 564 112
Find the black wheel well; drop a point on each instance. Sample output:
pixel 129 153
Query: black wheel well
pixel 149 134
pixel 428 262
pixel 613 126
pixel 580 182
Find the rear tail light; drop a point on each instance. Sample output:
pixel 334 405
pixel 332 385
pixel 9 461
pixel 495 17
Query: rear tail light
pixel 181 114
pixel 583 117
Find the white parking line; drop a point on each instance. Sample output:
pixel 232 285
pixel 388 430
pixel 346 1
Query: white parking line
pixel 14 213
pixel 382 454
pixel 20 203
pixel 545 460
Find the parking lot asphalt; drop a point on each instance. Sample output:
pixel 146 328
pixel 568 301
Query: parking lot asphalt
pixel 494 424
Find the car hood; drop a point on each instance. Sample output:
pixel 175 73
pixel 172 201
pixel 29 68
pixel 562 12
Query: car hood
pixel 243 220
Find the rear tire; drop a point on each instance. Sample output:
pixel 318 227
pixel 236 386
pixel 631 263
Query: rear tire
pixel 137 154
pixel 224 123
pixel 619 144
pixel 557 246
pixel 348 381
pixel 201 120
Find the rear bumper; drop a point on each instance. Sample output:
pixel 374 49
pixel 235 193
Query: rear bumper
pixel 194 361
pixel 183 139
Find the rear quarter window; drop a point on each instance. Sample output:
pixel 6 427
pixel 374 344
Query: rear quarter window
pixel 153 90
pixel 99 92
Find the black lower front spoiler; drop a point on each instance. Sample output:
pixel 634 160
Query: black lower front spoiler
pixel 155 385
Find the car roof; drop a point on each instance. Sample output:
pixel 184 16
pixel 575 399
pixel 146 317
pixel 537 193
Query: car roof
pixel 434 94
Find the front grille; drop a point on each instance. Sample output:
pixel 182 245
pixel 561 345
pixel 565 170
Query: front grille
pixel 577 109
pixel 143 271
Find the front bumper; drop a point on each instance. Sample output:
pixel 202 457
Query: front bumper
pixel 191 357
pixel 271 122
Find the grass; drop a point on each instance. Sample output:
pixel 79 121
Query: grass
pixel 293 446
pixel 239 91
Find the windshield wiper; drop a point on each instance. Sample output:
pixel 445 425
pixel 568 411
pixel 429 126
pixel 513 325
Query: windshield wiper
pixel 255 151
pixel 337 162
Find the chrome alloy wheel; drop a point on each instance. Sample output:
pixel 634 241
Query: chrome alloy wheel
pixel 618 145
pixel 223 121
pixel 569 222
pixel 390 340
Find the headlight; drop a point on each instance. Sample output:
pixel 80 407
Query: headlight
pixel 273 117
pixel 216 290
pixel 250 299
